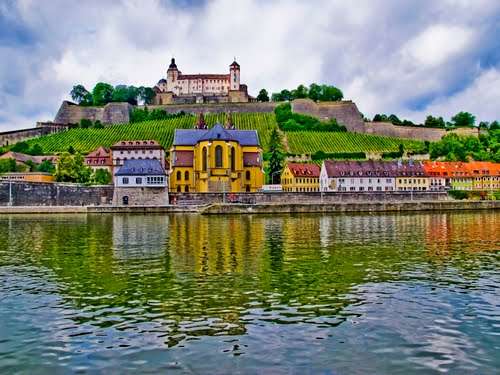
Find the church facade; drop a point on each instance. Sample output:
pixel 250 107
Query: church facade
pixel 216 160
pixel 180 88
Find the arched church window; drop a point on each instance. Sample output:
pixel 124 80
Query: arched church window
pixel 204 159
pixel 218 156
pixel 233 159
pixel 179 176
pixel 186 176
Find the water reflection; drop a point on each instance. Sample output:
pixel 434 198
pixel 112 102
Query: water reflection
pixel 126 282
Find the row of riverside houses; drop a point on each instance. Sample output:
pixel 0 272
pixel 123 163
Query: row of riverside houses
pixel 366 176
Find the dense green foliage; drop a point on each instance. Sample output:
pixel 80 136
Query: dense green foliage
pixel 290 121
pixel 101 177
pixel 29 149
pixel 276 157
pixel 140 115
pixel 104 93
pixel 461 119
pixel 392 119
pixel 263 96
pixel 308 142
pixel 453 147
pixel 71 168
pixel 86 140
pixel 315 92
pixel 8 165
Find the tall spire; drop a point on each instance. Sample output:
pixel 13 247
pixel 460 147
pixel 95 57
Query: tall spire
pixel 229 121
pixel 201 124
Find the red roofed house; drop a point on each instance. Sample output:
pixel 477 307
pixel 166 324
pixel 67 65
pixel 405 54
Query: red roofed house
pixel 300 177
pixel 99 159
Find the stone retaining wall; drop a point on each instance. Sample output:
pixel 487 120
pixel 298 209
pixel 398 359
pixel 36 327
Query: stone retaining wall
pixel 111 113
pixel 50 194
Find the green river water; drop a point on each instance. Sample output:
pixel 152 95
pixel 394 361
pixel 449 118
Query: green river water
pixel 306 294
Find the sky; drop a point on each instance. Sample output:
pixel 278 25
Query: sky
pixel 411 57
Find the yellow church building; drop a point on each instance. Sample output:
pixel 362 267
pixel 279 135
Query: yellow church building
pixel 216 160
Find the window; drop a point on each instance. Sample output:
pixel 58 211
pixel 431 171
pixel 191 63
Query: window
pixel 204 158
pixel 247 175
pixel 233 159
pixel 186 176
pixel 179 176
pixel 138 181
pixel 218 156
pixel 125 180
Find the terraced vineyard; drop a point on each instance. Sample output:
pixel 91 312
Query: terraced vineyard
pixel 309 142
pixel 86 140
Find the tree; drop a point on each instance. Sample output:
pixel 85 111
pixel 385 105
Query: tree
pixel 81 95
pixel 315 91
pixel 434 122
pixel 101 177
pixel 394 119
pixel 71 168
pixel 286 95
pixel 8 165
pixel 97 125
pixel 463 119
pixel 123 93
pixel 22 147
pixel 263 96
pixel 71 149
pixel 276 156
pixel 102 93
pixel 494 126
pixel 85 123
pixel 46 166
pixel 300 92
pixel 146 94
pixel 330 93
pixel 36 149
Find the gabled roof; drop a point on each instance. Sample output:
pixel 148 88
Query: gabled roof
pixel 190 137
pixel 141 167
pixel 304 169
pixel 373 168
pixel 100 152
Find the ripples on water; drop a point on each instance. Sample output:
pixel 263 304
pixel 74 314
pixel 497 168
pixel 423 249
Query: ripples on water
pixel 250 294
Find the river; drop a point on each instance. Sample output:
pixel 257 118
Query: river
pixel 292 294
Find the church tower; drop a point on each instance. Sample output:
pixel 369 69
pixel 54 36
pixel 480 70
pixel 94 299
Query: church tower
pixel 234 76
pixel 172 74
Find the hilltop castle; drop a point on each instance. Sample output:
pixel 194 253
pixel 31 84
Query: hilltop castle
pixel 180 88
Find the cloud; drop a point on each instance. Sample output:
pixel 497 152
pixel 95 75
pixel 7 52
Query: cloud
pixel 389 56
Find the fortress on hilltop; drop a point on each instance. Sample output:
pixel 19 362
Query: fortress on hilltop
pixel 180 88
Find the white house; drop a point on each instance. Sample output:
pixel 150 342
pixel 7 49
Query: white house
pixel 358 176
pixel 141 182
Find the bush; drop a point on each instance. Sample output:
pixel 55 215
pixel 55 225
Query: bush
pixel 320 155
pixel 140 115
pixel 458 194
pixel 289 121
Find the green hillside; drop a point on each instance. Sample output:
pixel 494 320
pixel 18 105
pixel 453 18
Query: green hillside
pixel 86 140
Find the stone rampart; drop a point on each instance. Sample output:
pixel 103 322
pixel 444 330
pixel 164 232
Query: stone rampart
pixel 413 132
pixel 50 194
pixel 217 107
pixel 111 113
pixel 42 128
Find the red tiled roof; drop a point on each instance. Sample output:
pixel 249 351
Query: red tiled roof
pixel 251 159
pixel 372 168
pixel 183 159
pixel 101 152
pixel 304 170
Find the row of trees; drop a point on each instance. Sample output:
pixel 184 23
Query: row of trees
pixel 314 92
pixel 290 121
pixel 140 115
pixel 104 93
pixel 453 147
pixel 460 120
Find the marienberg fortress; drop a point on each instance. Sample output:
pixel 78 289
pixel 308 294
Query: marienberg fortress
pixel 219 93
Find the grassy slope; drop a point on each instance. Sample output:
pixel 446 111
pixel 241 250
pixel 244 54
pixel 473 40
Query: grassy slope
pixel 86 140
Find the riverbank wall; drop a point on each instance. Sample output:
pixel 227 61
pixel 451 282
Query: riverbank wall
pixel 263 208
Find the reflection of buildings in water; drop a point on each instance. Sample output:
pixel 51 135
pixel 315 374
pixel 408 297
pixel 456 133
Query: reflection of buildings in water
pixel 139 236
pixel 447 232
pixel 216 244
pixel 325 234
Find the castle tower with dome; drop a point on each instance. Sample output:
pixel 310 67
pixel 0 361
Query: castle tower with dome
pixel 180 88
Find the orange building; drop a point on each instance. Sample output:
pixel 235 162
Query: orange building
pixel 27 177
pixel 485 175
